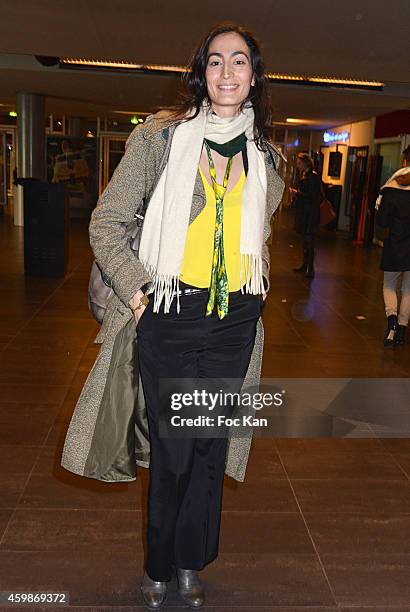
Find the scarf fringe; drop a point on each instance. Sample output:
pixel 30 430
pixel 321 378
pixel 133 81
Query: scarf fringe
pixel 251 269
pixel 164 287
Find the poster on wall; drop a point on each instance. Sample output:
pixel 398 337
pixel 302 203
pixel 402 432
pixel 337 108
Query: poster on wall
pixel 73 161
pixel 335 164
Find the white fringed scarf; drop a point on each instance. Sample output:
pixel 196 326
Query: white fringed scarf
pixel 166 220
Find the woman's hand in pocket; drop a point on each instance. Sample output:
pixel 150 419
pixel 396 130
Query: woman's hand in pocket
pixel 136 306
pixel 138 314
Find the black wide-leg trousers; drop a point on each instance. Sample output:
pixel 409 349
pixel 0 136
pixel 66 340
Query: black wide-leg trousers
pixel 186 474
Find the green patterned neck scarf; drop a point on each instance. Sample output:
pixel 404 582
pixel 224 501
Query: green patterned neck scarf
pixel 218 290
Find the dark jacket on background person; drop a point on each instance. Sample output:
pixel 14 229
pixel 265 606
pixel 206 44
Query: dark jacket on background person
pixel 394 214
pixel 307 203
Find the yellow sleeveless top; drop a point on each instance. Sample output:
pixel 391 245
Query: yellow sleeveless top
pixel 199 246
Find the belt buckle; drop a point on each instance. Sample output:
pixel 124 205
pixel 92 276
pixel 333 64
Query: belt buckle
pixel 193 290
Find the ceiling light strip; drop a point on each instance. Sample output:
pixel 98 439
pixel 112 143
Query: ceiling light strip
pixel 272 76
pixel 324 80
pixel 345 81
pixel 119 65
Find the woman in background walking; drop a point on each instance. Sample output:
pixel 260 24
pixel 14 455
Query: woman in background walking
pixel 393 212
pixel 307 197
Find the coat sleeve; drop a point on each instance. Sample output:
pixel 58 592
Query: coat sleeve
pixel 278 188
pixel 385 211
pixel 115 209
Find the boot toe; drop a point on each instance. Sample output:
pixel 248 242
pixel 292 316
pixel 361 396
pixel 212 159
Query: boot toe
pixel 153 600
pixel 190 588
pixel 153 592
pixel 194 598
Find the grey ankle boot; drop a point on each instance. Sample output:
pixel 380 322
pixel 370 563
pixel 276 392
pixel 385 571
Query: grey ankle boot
pixel 154 592
pixel 190 588
pixel 388 340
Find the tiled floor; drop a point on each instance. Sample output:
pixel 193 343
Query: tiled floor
pixel 320 524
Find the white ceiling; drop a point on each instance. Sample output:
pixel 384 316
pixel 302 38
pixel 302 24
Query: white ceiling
pixel 367 39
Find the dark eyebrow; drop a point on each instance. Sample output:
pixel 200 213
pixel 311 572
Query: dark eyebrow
pixel 232 54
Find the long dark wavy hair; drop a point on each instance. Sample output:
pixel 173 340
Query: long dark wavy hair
pixel 194 89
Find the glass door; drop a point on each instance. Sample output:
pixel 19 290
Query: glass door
pixel 390 153
pixel 355 184
pixel 7 164
pixel 111 151
pixel 3 170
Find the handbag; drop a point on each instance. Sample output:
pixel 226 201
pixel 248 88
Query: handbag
pixel 327 213
pixel 99 287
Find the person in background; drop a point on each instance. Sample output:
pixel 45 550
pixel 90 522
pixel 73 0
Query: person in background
pixel 307 197
pixel 393 212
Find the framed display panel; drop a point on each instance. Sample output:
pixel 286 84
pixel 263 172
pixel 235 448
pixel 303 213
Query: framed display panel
pixel 73 161
pixel 335 164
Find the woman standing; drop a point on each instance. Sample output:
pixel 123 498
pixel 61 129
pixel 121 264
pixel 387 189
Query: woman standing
pixel 394 213
pixel 307 197
pixel 195 291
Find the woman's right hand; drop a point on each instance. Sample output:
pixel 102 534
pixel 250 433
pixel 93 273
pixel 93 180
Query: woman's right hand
pixel 134 302
pixel 138 313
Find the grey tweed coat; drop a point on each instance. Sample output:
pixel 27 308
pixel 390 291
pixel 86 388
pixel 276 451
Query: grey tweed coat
pixel 108 433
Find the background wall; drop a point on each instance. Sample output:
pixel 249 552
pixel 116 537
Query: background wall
pixel 361 135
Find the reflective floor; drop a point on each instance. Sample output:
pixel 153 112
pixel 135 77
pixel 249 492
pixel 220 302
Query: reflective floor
pixel 319 525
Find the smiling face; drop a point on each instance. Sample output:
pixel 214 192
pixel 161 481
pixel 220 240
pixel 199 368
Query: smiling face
pixel 228 73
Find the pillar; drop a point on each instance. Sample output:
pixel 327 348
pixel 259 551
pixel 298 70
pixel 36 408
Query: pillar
pixel 31 162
